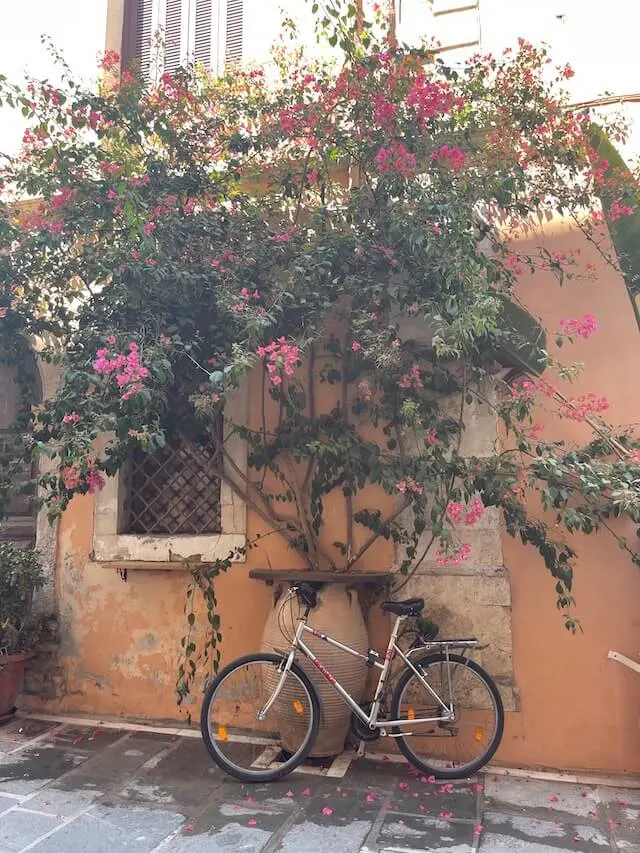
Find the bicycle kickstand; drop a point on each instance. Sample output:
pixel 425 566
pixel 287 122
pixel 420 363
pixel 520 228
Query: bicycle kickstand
pixel 362 746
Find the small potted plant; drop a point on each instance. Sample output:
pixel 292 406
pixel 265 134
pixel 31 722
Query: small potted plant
pixel 21 575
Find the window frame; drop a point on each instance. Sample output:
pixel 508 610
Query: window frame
pixel 109 545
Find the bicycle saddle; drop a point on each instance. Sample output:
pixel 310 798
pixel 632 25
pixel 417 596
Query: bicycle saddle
pixel 410 607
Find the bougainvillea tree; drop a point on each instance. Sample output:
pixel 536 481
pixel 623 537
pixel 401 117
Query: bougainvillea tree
pixel 335 225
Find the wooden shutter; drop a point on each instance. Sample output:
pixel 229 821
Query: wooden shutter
pixel 234 33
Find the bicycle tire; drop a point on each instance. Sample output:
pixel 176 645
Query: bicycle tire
pixel 295 759
pixel 403 741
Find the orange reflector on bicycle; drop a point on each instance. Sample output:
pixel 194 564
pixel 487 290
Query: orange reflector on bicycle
pixel 223 734
pixel 479 735
pixel 297 706
pixel 411 714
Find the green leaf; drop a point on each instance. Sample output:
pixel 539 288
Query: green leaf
pixel 625 231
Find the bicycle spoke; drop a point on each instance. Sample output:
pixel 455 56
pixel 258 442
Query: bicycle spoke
pixel 455 747
pixel 257 721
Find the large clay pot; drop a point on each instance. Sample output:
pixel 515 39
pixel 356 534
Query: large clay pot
pixel 11 677
pixel 339 614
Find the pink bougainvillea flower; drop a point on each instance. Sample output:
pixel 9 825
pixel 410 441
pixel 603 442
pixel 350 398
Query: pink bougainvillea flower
pixel 478 829
pixel 413 379
pixel 327 810
pixel 356 347
pixel 252 821
pixel 460 555
pixel 454 158
pixel 445 815
pixel 618 210
pixel 72 418
pixel 95 481
pixel 403 786
pixel 306 792
pixel 584 327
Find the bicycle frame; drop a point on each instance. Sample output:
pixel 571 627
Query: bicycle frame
pixel 371 720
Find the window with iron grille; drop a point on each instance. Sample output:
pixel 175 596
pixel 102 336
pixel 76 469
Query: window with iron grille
pixel 163 35
pixel 174 491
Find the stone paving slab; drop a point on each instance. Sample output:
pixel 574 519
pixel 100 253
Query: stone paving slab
pixel 414 833
pixel 185 774
pixel 16 734
pixel 19 828
pixel 7 802
pixel 107 830
pixel 74 789
pixel 34 767
pixel 554 835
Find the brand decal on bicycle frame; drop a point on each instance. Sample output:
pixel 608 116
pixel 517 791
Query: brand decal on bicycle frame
pixel 315 633
pixel 319 665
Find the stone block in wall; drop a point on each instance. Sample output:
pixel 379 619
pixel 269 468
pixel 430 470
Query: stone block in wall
pixel 480 434
pixel 485 538
pixel 473 606
pixel 44 677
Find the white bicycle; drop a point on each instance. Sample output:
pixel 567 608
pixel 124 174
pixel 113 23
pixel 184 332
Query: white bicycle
pixel 261 714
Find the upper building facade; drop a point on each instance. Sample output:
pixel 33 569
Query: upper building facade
pixel 596 42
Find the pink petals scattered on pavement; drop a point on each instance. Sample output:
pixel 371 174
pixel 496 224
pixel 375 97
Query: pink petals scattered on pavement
pixel 327 811
pixel 478 829
pixel 445 815
pixel 306 792
pixel 252 821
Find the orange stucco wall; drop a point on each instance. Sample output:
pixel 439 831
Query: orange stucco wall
pixel 576 708
pixel 579 709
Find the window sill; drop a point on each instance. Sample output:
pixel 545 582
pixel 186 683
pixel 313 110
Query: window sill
pixel 159 550
pixel 140 566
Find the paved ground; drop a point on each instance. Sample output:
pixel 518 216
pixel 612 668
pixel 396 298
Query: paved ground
pixel 68 789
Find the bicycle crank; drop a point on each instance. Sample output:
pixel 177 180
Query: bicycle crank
pixel 360 730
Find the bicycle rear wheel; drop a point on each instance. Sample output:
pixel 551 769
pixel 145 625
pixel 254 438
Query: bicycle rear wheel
pixel 456 749
pixel 242 736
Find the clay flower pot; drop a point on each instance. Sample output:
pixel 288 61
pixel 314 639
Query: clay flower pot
pixel 11 676
pixel 338 613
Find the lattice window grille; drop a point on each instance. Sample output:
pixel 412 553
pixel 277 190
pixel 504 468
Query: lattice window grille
pixel 173 491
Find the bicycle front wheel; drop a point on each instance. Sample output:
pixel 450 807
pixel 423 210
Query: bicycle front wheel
pixel 241 725
pixel 453 749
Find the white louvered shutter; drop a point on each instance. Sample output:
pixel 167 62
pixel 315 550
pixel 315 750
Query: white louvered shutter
pixel 234 37
pixel 218 32
pixel 146 19
pixel 176 32
pixel 206 35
